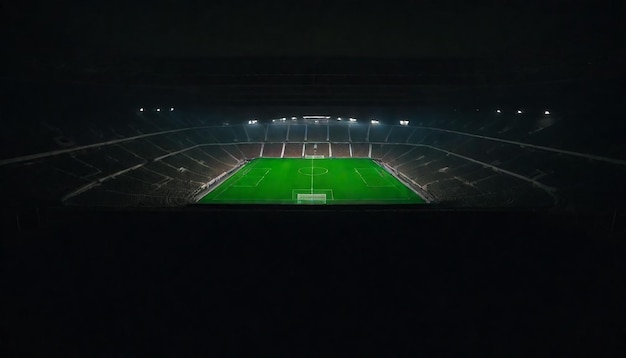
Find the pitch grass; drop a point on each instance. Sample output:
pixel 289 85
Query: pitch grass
pixel 343 180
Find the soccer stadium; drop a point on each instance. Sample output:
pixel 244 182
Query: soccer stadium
pixel 403 178
pixel 165 156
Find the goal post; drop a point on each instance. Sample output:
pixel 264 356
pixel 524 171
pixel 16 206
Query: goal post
pixel 311 199
pixel 317 196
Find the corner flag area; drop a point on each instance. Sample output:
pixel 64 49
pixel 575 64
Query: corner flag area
pixel 311 181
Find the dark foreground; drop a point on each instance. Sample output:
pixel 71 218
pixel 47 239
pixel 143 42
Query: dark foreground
pixel 312 281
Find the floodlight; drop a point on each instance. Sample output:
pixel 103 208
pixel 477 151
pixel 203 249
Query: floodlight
pixel 547 113
pixel 498 111
pixel 375 121
pixel 294 118
pixel 171 109
pixel 141 109
pixel 338 118
pixel 283 119
pixel 352 119
pixel 404 123
pixel 519 111
pixel 158 109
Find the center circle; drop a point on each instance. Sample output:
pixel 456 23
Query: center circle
pixel 313 171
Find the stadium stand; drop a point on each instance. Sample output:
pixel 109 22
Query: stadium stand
pixel 108 159
pixel 277 132
pixel 340 150
pixel 360 150
pixel 339 133
pixel 256 132
pixel 240 134
pixel 400 134
pixel 378 133
pixel 165 144
pixel 317 133
pixel 316 149
pixel 394 153
pixel 233 151
pixel 458 157
pixel 250 151
pixel 358 132
pixel 379 150
pixel 201 135
pixel 293 150
pixel 296 133
pixel 224 134
pixel 220 154
pixel 272 150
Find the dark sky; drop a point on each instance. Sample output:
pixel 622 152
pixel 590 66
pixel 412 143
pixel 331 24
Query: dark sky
pixel 341 28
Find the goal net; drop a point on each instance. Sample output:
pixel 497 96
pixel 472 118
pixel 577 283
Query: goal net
pixel 314 157
pixel 311 199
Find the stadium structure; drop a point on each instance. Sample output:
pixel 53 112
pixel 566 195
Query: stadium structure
pixel 184 206
pixel 166 156
pixel 345 135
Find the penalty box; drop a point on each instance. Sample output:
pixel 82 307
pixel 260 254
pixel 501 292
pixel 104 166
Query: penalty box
pixel 373 177
pixel 251 178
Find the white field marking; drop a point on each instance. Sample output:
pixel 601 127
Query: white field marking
pixel 389 185
pixel 261 177
pixel 300 171
pixel 231 184
pixel 219 193
pixel 372 200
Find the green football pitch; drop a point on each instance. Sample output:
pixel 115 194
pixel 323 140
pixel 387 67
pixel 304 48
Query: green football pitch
pixel 311 181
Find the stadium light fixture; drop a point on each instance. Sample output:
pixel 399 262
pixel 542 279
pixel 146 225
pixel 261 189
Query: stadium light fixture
pixel 547 113
pixel 141 109
pixel 253 121
pixel 338 118
pixel 158 109
pixel 294 118
pixel 477 109
pixel 352 119
pixel 404 123
pixel 498 111
pixel 374 121
pixel 519 111
pixel 171 109
pixel 283 119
